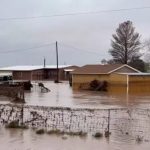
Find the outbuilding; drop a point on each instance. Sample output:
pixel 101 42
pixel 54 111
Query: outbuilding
pixel 130 82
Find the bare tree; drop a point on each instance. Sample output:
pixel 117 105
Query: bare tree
pixel 104 61
pixel 147 44
pixel 146 50
pixel 138 64
pixel 125 43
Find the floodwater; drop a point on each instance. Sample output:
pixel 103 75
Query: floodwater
pixel 17 139
pixel 62 95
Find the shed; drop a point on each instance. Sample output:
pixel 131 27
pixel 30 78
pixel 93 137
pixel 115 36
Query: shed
pixel 130 82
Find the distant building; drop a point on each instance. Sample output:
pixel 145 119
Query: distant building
pixel 48 72
pixel 68 71
pixel 119 77
pixel 5 76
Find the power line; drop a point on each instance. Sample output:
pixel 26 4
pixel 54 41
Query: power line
pixel 75 13
pixel 47 45
pixel 80 50
pixel 25 49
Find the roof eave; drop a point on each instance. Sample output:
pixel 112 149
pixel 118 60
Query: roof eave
pixel 125 65
pixel 90 73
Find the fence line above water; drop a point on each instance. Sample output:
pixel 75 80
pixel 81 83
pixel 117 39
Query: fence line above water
pixel 133 121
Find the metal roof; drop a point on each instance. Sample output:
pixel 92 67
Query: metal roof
pixel 30 68
pixel 68 70
pixel 2 74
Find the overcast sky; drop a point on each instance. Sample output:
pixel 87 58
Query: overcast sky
pixel 82 39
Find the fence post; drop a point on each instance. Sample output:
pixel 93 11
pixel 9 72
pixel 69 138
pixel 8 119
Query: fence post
pixel 108 120
pixel 107 132
pixel 22 115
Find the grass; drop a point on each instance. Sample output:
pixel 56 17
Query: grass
pixel 15 124
pixel 40 131
pixel 107 133
pixel 55 132
pixel 67 133
pixel 80 133
pixel 98 135
pixel 139 139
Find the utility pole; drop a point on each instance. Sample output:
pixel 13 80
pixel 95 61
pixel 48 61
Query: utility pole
pixel 57 80
pixel 44 62
pixel 44 72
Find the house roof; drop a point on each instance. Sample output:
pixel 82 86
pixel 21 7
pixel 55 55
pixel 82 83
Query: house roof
pixel 70 68
pixel 101 69
pixel 135 74
pixel 30 68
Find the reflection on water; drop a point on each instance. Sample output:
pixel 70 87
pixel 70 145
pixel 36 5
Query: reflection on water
pixel 62 95
pixel 12 139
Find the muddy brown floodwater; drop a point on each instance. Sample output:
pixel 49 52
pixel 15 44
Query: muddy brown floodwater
pixel 17 139
pixel 62 95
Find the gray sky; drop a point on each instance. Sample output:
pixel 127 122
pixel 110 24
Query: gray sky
pixel 82 39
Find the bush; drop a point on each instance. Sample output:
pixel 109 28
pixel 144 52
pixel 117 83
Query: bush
pixel 40 131
pixel 98 135
pixel 99 85
pixel 15 124
pixel 94 84
pixel 54 132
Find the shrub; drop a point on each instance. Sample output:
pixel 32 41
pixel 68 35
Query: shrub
pixel 98 135
pixel 40 131
pixel 15 124
pixel 94 84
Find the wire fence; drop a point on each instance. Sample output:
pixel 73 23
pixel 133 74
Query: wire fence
pixel 134 122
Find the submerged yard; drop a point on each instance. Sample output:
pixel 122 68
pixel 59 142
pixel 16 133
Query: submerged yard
pixel 74 111
pixel 62 95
